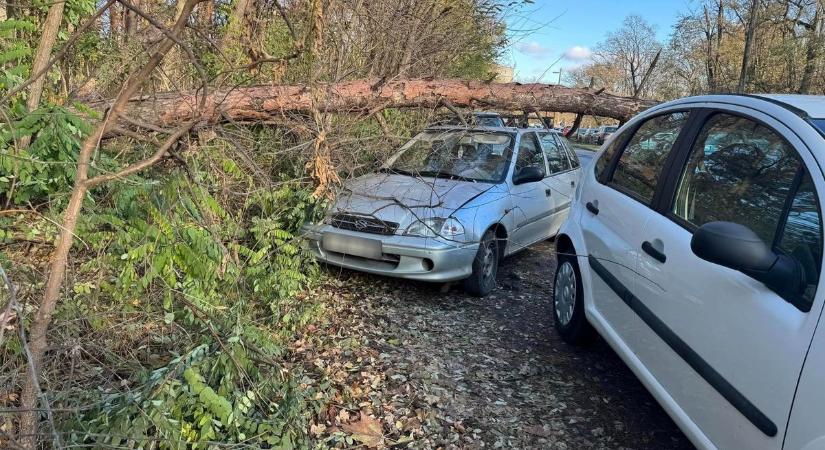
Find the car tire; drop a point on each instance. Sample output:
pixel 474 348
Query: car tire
pixel 568 303
pixel 485 267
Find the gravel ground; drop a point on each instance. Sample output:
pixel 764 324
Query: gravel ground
pixel 492 373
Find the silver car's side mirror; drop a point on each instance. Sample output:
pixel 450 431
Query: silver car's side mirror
pixel 529 174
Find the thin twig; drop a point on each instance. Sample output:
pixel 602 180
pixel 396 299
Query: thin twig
pixel 145 163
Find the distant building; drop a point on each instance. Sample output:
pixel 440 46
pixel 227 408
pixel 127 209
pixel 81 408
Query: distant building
pixel 504 74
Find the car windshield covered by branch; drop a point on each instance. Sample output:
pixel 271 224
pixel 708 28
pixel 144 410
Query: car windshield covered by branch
pixel 461 154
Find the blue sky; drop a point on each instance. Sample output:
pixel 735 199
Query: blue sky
pixel 561 33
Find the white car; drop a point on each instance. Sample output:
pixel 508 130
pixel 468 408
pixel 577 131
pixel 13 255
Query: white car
pixel 694 248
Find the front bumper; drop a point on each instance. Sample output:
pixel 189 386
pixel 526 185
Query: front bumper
pixel 410 257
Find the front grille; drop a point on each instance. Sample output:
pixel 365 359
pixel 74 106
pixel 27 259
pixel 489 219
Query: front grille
pixel 364 224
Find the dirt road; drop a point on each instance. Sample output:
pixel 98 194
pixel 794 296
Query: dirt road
pixel 492 372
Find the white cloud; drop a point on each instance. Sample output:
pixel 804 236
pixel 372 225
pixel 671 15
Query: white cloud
pixel 577 53
pixel 533 49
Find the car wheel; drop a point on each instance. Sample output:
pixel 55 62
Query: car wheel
pixel 485 266
pixel 568 303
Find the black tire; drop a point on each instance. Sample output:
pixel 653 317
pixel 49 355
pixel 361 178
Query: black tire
pixel 485 267
pixel 571 322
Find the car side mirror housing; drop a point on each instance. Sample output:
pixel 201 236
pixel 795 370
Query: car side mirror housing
pixel 528 174
pixel 737 247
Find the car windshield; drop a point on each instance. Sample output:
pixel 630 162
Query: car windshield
pixel 457 154
pixel 489 121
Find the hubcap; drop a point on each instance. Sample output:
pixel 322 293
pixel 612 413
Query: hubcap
pixel 564 293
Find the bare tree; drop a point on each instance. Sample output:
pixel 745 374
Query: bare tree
pixel 750 35
pixel 633 49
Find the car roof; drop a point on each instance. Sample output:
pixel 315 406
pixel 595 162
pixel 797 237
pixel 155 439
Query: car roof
pixel 812 105
pixel 805 106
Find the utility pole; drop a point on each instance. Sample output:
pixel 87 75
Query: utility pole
pixel 556 113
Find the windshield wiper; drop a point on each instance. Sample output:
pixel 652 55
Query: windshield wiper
pixel 448 175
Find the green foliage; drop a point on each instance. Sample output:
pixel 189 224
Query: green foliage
pixel 229 277
pixel 14 53
pixel 175 237
pixel 211 394
pixel 47 166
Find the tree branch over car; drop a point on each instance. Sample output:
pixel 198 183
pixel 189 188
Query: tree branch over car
pixel 264 102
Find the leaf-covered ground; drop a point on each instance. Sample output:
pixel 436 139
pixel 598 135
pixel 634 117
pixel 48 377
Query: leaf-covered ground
pixel 425 368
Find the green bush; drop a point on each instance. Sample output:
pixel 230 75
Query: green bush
pixel 228 279
pixel 47 166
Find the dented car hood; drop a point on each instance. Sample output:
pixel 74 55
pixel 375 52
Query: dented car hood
pixel 404 199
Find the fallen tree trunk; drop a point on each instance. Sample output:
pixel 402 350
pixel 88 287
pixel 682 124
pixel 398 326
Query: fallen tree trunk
pixel 363 96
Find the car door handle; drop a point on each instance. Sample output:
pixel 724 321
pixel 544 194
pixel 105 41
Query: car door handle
pixel 572 183
pixel 592 208
pixel 548 192
pixel 653 252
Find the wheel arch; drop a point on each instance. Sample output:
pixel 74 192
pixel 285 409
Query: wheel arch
pixel 502 235
pixel 565 245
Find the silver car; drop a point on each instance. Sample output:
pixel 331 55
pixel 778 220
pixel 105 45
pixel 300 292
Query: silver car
pixel 450 204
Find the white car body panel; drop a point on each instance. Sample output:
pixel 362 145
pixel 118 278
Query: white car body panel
pixel 805 427
pixel 757 341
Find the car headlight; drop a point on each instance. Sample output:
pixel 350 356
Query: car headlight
pixel 436 226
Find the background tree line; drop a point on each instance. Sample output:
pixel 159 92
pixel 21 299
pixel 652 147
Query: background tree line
pixel 718 46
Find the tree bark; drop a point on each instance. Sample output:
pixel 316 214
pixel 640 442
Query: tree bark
pixel 720 28
pixel 37 344
pixel 814 50
pixel 649 72
pixel 206 15
pixel 44 50
pixel 750 33
pixel 265 102
pixel 237 23
pixel 115 21
pixel 577 122
pixel 130 22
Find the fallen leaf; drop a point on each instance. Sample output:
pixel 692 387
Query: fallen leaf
pixel 537 430
pixel 366 430
pixel 6 319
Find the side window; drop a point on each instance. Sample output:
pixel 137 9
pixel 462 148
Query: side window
pixel 801 237
pixel 556 159
pixel 574 158
pixel 738 171
pixel 641 162
pixel 603 163
pixel 529 153
pixel 741 171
